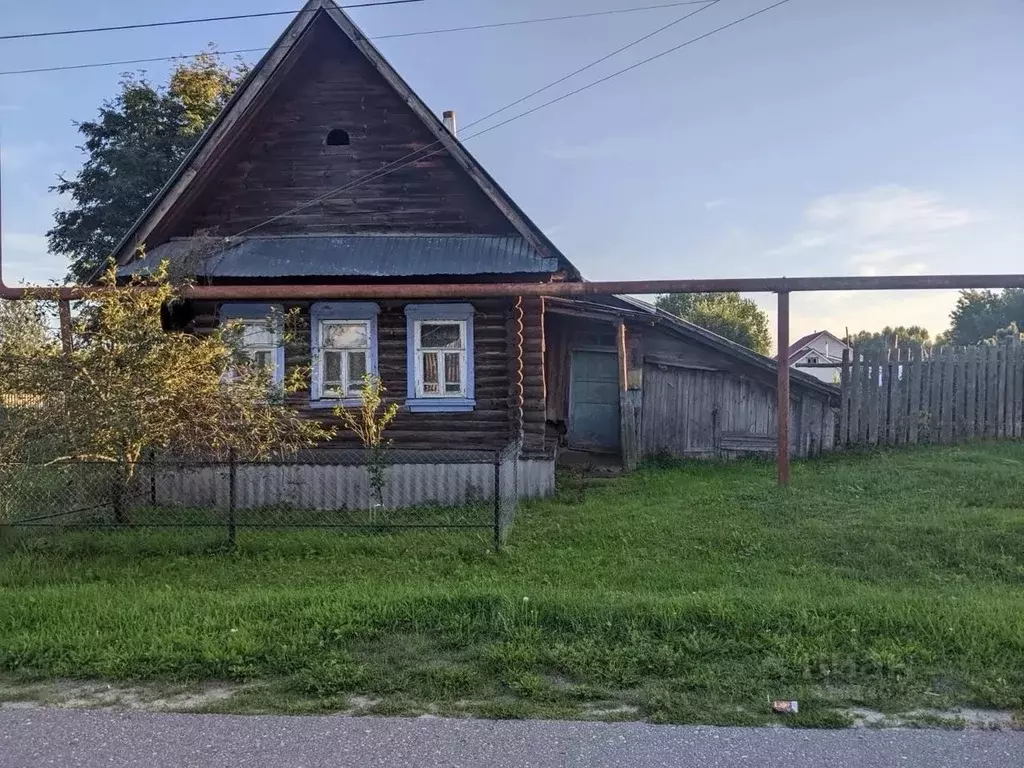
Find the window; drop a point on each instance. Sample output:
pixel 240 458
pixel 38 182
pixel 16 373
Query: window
pixel 440 357
pixel 345 347
pixel 812 360
pixel 344 350
pixel 261 334
pixel 337 138
pixel 260 342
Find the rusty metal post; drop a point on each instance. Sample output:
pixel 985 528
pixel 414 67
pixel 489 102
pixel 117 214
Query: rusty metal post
pixel 782 450
pixel 64 311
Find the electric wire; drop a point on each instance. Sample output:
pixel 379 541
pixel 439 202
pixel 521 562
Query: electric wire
pixel 413 157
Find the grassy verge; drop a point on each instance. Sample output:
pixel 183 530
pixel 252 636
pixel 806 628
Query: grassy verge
pixel 681 594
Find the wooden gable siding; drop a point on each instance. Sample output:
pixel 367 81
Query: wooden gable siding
pixel 280 160
pixel 494 422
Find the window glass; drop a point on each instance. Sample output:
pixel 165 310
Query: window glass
pixel 356 371
pixel 441 335
pixel 332 367
pixel 342 335
pixel 430 373
pixel 453 372
pixel 259 343
pixel 257 334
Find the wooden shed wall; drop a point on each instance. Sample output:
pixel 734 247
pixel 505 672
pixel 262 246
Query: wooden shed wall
pixel 703 401
pixel 697 400
pixel 700 412
pixel 495 421
pixel 279 160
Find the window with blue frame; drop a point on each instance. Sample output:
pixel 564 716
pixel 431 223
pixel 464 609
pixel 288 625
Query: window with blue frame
pixel 440 358
pixel 262 334
pixel 344 349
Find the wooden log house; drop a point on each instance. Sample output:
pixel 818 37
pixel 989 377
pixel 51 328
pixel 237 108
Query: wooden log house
pixel 288 187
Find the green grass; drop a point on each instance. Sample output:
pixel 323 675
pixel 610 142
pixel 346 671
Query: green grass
pixel 693 594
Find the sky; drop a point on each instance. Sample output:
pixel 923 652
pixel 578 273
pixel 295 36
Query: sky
pixel 825 137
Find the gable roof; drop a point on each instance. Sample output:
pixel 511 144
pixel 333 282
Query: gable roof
pixel 262 80
pixel 798 345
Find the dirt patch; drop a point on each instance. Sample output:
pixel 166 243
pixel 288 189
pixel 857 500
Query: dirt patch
pixel 359 705
pixel 958 717
pixel 607 712
pixel 77 694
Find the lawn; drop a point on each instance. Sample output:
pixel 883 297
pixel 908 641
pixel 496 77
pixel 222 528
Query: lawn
pixel 690 593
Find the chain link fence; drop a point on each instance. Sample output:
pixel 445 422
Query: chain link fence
pixel 334 491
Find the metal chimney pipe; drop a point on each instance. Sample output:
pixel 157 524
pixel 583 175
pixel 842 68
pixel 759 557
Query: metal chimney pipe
pixel 451 123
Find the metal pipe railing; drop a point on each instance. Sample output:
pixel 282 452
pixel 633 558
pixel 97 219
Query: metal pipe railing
pixel 567 289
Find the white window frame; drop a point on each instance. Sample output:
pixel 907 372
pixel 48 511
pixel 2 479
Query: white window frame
pixel 439 352
pixel 419 401
pixel 347 380
pixel 322 315
pixel 270 317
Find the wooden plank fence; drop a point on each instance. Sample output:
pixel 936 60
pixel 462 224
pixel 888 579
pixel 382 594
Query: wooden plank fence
pixel 916 395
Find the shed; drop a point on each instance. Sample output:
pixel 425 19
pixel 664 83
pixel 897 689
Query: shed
pixel 627 379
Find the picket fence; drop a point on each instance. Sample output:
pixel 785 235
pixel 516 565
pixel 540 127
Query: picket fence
pixel 945 395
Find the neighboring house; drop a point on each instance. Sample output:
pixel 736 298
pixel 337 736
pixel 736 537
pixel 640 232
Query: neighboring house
pixel 261 199
pixel 817 349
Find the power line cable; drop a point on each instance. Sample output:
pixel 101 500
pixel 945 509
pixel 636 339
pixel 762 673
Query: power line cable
pixel 385 171
pixel 413 155
pixel 419 33
pixel 181 22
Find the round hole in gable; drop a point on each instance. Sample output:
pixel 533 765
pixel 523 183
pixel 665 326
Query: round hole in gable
pixel 337 137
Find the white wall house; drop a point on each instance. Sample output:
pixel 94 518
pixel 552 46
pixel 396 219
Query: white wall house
pixel 816 349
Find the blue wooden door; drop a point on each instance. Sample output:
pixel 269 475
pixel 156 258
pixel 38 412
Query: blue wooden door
pixel 594 401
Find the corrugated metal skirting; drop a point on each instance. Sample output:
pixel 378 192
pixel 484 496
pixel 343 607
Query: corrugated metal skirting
pixel 326 487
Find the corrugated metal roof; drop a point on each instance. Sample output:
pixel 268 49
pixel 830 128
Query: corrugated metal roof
pixel 354 256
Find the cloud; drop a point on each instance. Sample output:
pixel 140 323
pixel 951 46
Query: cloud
pixel 886 229
pixel 710 205
pixel 882 230
pixel 864 310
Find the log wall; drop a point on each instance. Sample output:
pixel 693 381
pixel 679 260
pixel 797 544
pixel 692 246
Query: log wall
pixel 495 421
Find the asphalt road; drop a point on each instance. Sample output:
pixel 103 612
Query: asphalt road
pixel 30 738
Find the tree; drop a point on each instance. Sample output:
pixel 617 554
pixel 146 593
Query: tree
pixel 22 327
pixel 128 386
pixel 726 314
pixel 133 146
pixel 891 338
pixel 982 315
pixel 368 423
